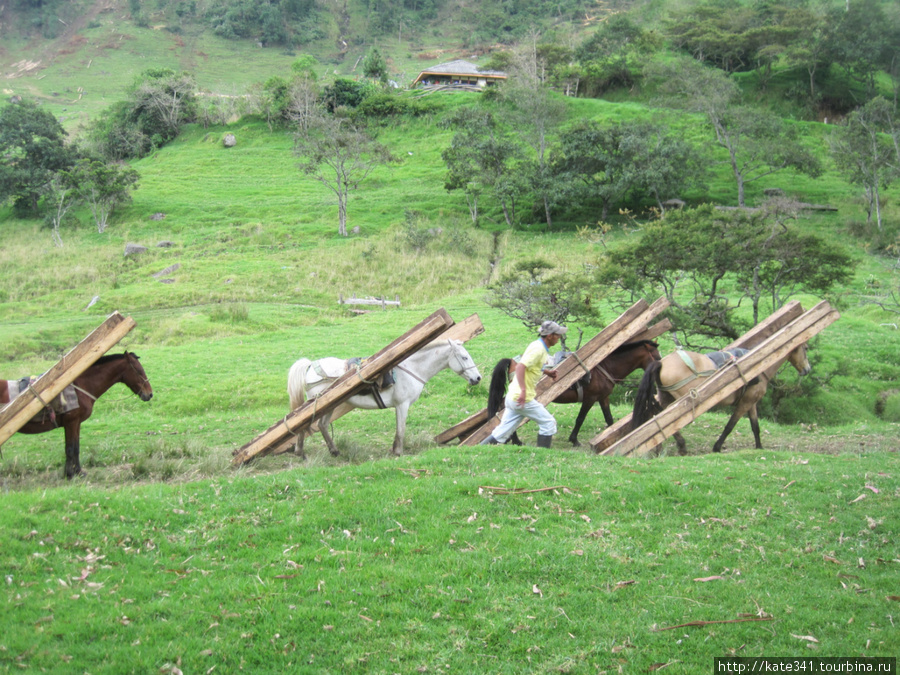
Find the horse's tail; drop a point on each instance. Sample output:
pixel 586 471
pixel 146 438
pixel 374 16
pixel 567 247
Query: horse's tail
pixel 497 390
pixel 645 403
pixel 297 382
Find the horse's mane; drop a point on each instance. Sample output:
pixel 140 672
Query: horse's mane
pixel 628 346
pixel 110 357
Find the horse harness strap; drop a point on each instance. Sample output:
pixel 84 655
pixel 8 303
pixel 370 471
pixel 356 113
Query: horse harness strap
pixel 86 393
pixel 44 403
pixel 411 374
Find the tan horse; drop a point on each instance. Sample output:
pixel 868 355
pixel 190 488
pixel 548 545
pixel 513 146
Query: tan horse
pixel 677 374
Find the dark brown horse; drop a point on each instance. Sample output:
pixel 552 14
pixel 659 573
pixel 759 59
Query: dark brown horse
pixel 604 377
pixel 89 386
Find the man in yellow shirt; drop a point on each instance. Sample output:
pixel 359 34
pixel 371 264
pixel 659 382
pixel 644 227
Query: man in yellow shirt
pixel 520 399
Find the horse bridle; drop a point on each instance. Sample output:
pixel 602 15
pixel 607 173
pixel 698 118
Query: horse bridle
pixel 459 359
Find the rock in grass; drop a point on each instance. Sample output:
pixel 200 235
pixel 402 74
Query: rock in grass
pixel 134 249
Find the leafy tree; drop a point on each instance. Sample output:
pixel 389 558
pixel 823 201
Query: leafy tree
pixel 102 186
pixel 483 158
pixel 162 102
pixel 375 66
pixel 714 32
pixel 344 93
pixel 699 257
pixel 613 162
pixel 339 155
pixel 33 149
pixel 867 152
pixel 535 292
pixel 158 104
pixel 758 143
pixel 810 47
pixel 304 67
pixel 863 40
pixel 613 55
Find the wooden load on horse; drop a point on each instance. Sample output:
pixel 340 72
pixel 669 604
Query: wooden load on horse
pixel 90 372
pixel 298 424
pixel 740 384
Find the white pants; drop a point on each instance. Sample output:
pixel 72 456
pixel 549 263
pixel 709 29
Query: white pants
pixel 514 413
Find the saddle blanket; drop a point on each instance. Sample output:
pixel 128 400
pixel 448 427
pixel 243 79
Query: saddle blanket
pixel 722 358
pixel 333 369
pixel 63 402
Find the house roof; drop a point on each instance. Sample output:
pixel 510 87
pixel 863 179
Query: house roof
pixel 460 67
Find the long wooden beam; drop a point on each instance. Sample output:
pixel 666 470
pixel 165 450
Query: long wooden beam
pixel 633 320
pixel 344 387
pixel 770 353
pixel 16 413
pixel 769 326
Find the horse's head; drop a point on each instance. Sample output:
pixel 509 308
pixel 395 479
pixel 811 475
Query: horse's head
pixel 462 363
pixel 134 377
pixel 799 360
pixel 653 351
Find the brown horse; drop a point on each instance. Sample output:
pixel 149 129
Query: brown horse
pixel 89 386
pixel 603 378
pixel 674 378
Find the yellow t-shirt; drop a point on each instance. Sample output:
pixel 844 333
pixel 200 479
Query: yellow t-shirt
pixel 534 359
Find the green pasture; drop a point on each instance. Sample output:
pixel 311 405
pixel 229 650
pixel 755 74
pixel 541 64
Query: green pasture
pixel 434 563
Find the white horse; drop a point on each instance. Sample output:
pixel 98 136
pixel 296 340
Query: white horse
pixel 307 379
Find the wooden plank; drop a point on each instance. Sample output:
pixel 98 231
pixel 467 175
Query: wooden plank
pixel 344 387
pixel 632 321
pixel 769 326
pixel 652 332
pixel 463 428
pixel 16 413
pixel 770 353
pixel 472 422
pixel 463 331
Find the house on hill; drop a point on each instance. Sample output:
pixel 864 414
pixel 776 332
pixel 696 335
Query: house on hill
pixel 458 73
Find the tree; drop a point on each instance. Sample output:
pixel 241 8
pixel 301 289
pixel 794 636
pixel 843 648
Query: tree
pixel 158 104
pixel 340 155
pixel 535 292
pixel 705 261
pixel 163 101
pixel 616 161
pixel 102 186
pixel 536 114
pixel 32 149
pixel 61 199
pixel 866 155
pixel 483 158
pixel 375 66
pixel 758 143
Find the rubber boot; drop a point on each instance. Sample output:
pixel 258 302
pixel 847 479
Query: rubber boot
pixel 544 441
pixel 490 440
